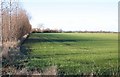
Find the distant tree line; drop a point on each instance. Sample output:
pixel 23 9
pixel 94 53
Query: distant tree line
pixel 47 30
pixel 14 21
pixel 89 32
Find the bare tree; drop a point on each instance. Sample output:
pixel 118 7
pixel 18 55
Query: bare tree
pixel 0 23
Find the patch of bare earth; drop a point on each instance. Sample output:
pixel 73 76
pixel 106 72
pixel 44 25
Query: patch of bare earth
pixel 33 73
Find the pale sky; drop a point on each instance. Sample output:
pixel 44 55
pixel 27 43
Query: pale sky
pixel 91 15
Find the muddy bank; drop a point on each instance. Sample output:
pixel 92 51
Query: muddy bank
pixel 11 46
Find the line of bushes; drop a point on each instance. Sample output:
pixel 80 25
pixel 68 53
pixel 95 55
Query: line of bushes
pixel 15 21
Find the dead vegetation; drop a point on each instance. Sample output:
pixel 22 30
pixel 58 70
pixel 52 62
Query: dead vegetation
pixel 14 21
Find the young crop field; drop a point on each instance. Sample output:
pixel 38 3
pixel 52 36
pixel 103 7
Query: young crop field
pixel 74 53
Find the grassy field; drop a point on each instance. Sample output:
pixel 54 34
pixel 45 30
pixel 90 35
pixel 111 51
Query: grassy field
pixel 74 53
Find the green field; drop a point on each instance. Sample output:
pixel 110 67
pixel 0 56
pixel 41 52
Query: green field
pixel 74 53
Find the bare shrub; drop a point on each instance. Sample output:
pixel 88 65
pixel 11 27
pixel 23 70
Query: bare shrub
pixel 15 21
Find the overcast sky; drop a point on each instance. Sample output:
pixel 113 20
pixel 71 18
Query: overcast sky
pixel 91 15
